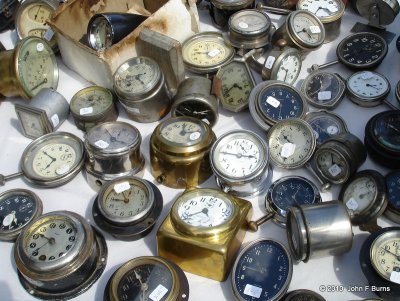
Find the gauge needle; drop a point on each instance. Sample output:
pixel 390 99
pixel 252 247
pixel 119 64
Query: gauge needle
pixel 137 77
pixel 39 84
pixel 286 138
pixel 143 286
pixel 304 30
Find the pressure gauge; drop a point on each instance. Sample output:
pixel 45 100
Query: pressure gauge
pixel 141 89
pixel 179 150
pixel 303 295
pixel 147 278
pixel 283 194
pixel 249 29
pixel 205 52
pixel 239 160
pixel 263 271
pixel 59 256
pixel 367 88
pixel 221 10
pixel 393 196
pixel 364 196
pixel 127 207
pixel 32 20
pixel 91 106
pixel 18 208
pixel 379 261
pixel 330 12
pixel 291 143
pixel 325 125
pixel 204 231
pixel 302 29
pixel 113 150
pixel 273 101
pixel 232 84
pixel 34 67
pixel 378 12
pixel 323 89
pixel 382 138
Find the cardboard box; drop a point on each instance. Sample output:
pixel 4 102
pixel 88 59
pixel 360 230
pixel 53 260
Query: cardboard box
pixel 175 18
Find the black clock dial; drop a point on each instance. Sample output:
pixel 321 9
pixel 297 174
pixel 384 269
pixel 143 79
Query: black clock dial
pixel 279 103
pixel 323 88
pixel 142 281
pixel 262 271
pixel 387 130
pixel 325 128
pixel 362 50
pixel 196 109
pixel 393 189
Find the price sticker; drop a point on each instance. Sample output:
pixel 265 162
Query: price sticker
pixel 243 25
pixel 214 52
pixel 395 277
pixel 39 47
pixel 252 291
pixel 121 187
pixel 288 150
pixel 367 75
pixel 8 220
pixel 270 62
pixel 62 169
pixel 352 204
pixel 194 136
pixel 324 95
pixel 101 144
pixel 314 29
pixel 334 170
pixel 55 120
pixel 85 111
pixel 316 134
pixel 273 101
pixel 48 35
pixel 158 293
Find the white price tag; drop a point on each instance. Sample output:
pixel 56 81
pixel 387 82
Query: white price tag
pixel 334 170
pixel 243 25
pixel 121 187
pixel 395 277
pixel 55 120
pixel 62 169
pixel 158 293
pixel 352 204
pixel 273 101
pixel 252 291
pixel 314 29
pixel 48 35
pixel 133 110
pixel 85 111
pixel 316 134
pixel 324 95
pixel 288 150
pixel 39 47
pixel 214 52
pixel 101 144
pixel 270 62
pixel 367 75
pixel 8 220
pixel 194 136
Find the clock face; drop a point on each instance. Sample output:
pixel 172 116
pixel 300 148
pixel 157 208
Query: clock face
pixel 322 8
pixel 368 85
pixel 325 126
pixel 204 211
pixel 182 132
pixel 360 194
pixel 307 28
pixel 387 131
pixel 332 165
pixel 289 68
pixel 250 22
pixel 91 101
pixel 31 123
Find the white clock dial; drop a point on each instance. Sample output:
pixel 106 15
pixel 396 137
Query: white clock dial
pixel 367 84
pixel 307 27
pixel 385 255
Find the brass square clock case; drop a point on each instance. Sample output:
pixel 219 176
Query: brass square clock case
pixel 205 251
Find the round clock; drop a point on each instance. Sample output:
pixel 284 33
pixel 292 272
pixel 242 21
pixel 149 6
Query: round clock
pixel 127 207
pixel 18 208
pixel 205 52
pixel 28 68
pixel 147 278
pixel 91 106
pixel 113 151
pixel 380 263
pixel 392 211
pixel 325 125
pixel 291 143
pixel 140 86
pixel 323 89
pixel 179 150
pixel 303 295
pixel 263 271
pixel 59 256
pixel 239 160
pixel 364 196
pixel 273 101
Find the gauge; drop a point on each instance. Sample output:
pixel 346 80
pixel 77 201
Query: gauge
pixel 382 12
pixel 303 295
pixel 221 10
pixel 291 143
pixel 393 195
pixel 263 271
pixel 365 196
pixel 239 160
pixel 18 208
pixel 59 256
pixel 273 101
pixel 205 52
pixel 93 105
pixel 323 89
pixel 233 84
pixel 333 163
pixel 325 125
pixel 147 278
pixel 183 132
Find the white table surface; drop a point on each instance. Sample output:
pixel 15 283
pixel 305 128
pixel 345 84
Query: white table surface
pixel 77 196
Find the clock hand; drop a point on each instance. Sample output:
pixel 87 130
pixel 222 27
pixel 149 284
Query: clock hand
pixel 38 11
pixel 137 77
pixel 397 256
pixel 39 84
pixel 373 86
pixel 51 240
pixel 261 271
pixel 239 155
pixel 393 128
pixel 304 30
pixel 204 210
pixel 52 158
